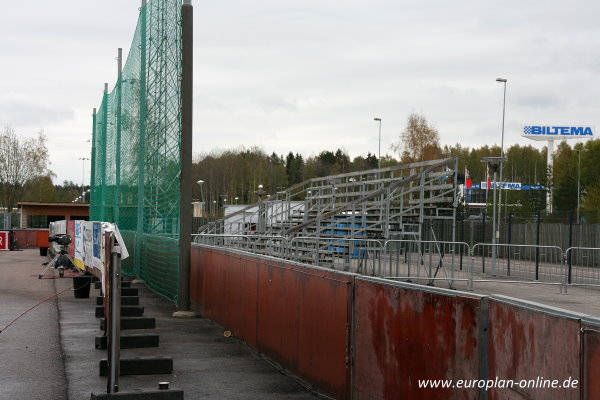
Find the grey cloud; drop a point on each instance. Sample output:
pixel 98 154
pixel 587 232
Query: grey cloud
pixel 28 114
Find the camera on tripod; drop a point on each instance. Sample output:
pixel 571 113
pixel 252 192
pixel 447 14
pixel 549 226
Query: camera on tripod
pixel 61 260
pixel 60 239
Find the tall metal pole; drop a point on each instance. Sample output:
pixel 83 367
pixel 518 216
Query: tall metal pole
pixel 579 179
pixel 185 206
pixel 92 167
pixel 379 155
pixel 142 145
pixel 117 197
pixel 83 159
pixel 550 175
pixel 494 226
pixel 103 147
pixel 501 153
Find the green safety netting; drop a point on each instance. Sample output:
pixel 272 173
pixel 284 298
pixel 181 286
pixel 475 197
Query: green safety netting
pixel 136 160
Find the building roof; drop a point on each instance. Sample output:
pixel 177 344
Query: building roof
pixel 50 204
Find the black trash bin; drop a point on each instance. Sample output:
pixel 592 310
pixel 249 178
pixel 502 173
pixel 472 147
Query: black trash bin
pixel 81 286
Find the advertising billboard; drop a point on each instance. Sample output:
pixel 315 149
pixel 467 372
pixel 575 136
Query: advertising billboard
pixel 557 132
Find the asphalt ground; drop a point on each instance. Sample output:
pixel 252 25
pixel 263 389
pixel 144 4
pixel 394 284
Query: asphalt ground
pixel 50 354
pixel 32 361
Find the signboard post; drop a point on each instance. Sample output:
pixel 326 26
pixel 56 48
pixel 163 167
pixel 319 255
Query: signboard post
pixel 552 133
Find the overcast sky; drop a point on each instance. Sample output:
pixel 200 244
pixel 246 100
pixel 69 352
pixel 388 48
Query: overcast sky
pixel 311 75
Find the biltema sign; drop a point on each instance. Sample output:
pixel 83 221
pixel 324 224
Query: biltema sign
pixel 502 185
pixel 541 132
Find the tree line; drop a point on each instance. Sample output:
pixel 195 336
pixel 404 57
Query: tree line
pixel 233 176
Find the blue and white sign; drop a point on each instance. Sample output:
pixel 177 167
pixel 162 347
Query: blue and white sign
pixel 543 132
pixel 502 185
pixel 483 186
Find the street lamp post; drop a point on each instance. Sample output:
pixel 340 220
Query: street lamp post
pixel 83 160
pixel 223 200
pixel 579 179
pixel 501 80
pixel 379 156
pixel 494 163
pixel 200 183
pixel 260 192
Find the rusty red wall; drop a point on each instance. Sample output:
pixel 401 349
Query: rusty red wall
pixel 298 316
pixel 367 338
pixel 527 344
pixel 403 334
pixel 27 238
pixel 591 360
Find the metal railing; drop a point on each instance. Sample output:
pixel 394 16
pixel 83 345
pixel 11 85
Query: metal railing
pixel 426 262
pixel 583 266
pixel 514 263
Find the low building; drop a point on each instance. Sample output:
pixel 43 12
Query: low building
pixel 39 215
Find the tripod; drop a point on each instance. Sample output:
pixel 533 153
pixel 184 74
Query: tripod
pixel 60 261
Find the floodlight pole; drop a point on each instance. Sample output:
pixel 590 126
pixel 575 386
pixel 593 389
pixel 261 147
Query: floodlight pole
pixel 494 163
pixel 83 159
pixel 185 205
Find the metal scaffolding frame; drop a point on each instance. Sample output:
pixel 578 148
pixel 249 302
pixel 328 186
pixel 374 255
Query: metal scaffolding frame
pixel 343 220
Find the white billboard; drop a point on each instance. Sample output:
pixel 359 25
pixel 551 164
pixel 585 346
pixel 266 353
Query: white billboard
pixel 557 132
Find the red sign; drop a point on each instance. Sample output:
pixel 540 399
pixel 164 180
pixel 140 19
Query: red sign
pixel 4 240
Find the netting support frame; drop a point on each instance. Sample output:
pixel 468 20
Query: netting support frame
pixel 185 203
pixel 117 194
pixel 142 141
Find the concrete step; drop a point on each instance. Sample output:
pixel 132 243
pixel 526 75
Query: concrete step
pixel 126 311
pixel 129 291
pixel 125 301
pixel 170 394
pixel 133 323
pixel 131 341
pixel 140 366
pixel 124 284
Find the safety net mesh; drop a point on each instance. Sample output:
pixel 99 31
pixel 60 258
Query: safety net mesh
pixel 136 160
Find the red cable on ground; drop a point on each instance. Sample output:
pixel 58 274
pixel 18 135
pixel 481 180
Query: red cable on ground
pixel 34 306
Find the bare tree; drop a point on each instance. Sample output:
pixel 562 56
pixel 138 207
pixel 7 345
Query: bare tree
pixel 418 141
pixel 20 161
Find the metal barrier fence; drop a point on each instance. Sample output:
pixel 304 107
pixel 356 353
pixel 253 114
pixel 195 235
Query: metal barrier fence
pixel 512 263
pixel 429 261
pixel 583 266
pixel 359 255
